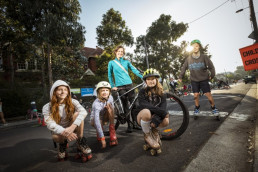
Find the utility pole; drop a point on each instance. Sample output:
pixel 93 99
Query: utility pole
pixel 253 19
pixel 147 60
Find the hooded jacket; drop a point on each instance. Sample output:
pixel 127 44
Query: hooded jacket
pixel 200 69
pixel 46 110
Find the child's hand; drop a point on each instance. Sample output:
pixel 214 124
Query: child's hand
pixel 103 142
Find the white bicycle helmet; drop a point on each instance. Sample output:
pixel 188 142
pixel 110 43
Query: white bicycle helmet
pixel 103 84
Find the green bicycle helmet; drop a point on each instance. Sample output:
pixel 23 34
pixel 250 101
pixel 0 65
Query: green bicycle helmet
pixel 196 41
pixel 150 72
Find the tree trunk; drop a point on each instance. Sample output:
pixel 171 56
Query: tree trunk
pixel 45 95
pixel 50 77
pixel 11 66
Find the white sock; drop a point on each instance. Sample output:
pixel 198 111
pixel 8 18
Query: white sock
pixel 145 126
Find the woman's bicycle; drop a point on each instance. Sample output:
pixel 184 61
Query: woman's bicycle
pixel 178 114
pixel 120 114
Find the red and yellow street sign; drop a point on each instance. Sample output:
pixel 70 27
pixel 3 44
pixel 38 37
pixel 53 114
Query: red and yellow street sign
pixel 249 56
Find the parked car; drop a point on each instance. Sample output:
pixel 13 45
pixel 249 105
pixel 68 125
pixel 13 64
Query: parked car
pixel 249 78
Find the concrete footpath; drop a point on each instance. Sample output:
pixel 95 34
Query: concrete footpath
pixel 234 146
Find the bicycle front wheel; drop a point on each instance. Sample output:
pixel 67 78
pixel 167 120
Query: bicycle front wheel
pixel 178 118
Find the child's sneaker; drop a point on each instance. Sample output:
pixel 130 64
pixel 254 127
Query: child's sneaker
pixel 214 110
pixel 196 111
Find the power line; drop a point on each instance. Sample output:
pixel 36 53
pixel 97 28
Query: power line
pixel 208 12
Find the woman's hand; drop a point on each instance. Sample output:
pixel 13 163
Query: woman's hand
pixel 69 130
pixel 72 137
pixel 114 88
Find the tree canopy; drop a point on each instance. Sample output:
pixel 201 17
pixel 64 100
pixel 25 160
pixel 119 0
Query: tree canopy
pixel 113 31
pixel 162 53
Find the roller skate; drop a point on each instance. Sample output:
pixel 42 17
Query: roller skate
pixel 62 154
pixel 113 138
pixel 215 112
pixel 151 143
pixel 156 136
pixel 83 150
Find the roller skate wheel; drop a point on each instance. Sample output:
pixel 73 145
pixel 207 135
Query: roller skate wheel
pixel 84 158
pixel 153 152
pixel 77 156
pixel 146 147
pixel 159 151
pixel 218 118
pixel 89 156
pixel 113 143
pixel 61 159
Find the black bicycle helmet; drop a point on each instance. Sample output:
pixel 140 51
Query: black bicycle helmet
pixel 150 72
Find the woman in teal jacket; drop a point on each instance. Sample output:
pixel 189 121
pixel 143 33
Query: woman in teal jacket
pixel 119 67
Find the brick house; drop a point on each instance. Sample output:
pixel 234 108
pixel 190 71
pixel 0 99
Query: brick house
pixel 24 69
pixel 91 54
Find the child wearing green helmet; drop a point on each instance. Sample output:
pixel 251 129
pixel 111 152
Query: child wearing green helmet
pixel 201 71
pixel 152 109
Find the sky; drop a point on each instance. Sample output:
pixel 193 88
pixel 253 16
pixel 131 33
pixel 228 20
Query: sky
pixel 223 29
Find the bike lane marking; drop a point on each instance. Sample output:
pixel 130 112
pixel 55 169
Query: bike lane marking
pixel 202 113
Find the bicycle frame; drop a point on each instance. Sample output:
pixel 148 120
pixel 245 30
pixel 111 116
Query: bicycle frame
pixel 120 101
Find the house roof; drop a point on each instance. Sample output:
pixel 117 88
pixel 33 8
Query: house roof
pixel 92 52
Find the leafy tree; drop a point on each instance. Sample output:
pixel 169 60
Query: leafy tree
pixel 113 31
pixel 240 72
pixel 162 54
pixel 102 63
pixel 51 25
pixel 14 39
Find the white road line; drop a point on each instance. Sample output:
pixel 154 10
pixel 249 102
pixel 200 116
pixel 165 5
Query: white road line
pixel 214 97
pixel 202 113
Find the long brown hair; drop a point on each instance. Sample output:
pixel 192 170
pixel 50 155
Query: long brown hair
pixel 158 89
pixel 69 107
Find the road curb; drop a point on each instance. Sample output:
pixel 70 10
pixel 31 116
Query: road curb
pixel 18 124
pixel 255 167
pixel 226 150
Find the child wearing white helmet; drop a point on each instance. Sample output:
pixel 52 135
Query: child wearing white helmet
pixel 102 112
pixel 64 117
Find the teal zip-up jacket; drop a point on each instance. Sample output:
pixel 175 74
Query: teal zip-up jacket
pixel 121 77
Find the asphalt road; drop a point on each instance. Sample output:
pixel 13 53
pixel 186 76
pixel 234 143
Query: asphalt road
pixel 31 148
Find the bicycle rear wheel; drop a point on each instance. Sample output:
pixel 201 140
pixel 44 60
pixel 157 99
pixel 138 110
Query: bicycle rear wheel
pixel 178 118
